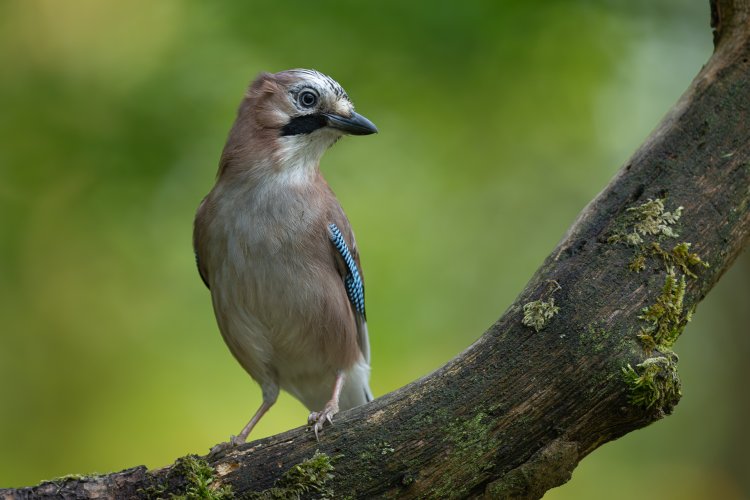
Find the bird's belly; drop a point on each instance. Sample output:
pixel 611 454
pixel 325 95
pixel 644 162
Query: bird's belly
pixel 286 318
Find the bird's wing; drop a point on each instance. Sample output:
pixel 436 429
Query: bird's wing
pixel 201 270
pixel 347 260
pixel 196 239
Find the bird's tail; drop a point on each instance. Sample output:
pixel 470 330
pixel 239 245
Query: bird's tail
pixel 368 393
pixel 356 389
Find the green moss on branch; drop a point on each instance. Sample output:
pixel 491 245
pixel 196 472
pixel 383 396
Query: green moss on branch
pixel 665 317
pixel 654 383
pixel 200 482
pixel 309 478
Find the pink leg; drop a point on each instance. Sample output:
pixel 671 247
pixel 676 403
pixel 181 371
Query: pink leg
pixel 318 418
pixel 242 437
pixel 270 393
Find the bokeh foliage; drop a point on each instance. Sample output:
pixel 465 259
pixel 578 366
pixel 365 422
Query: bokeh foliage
pixel 499 121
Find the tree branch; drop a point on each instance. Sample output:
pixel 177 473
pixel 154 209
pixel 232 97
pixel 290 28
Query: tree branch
pixel 514 414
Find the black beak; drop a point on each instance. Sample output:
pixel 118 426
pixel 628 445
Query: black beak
pixel 355 124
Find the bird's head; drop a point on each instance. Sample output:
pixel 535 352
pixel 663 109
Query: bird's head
pixel 298 114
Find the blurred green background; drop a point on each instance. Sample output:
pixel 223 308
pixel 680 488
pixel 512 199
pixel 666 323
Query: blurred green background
pixel 499 121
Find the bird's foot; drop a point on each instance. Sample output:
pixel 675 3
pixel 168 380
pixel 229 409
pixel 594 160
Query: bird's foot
pixel 220 448
pixel 317 419
pixel 237 440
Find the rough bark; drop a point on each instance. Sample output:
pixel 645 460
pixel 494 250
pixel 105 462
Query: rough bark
pixel 514 414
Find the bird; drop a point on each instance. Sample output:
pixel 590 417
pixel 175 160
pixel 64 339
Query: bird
pixel 277 252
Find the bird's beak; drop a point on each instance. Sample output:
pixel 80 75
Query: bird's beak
pixel 355 124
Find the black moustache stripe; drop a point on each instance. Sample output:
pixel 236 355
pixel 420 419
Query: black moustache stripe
pixel 304 124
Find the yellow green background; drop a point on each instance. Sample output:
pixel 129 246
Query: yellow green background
pixel 499 121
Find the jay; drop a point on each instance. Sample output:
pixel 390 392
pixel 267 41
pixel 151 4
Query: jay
pixel 277 252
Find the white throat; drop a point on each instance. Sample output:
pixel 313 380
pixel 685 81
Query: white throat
pixel 299 155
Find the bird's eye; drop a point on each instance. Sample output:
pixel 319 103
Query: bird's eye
pixel 308 99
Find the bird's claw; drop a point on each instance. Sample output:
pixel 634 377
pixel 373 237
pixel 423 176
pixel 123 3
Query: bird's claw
pixel 236 441
pixel 217 449
pixel 317 419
